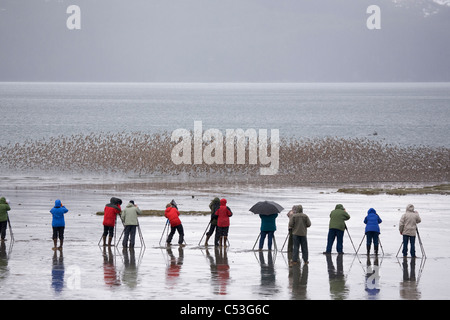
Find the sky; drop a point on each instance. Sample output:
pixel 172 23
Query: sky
pixel 225 40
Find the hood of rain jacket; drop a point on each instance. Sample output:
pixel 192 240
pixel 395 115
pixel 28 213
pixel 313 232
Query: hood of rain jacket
pixel 223 214
pixel 372 221
pixel 338 217
pixel 172 214
pixel 111 211
pixel 58 212
pixel 408 221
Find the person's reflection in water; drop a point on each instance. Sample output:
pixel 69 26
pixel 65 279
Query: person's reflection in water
pixel 4 270
pixel 220 270
pixel 268 275
pixel 109 269
pixel 338 287
pixel 372 286
pixel 129 276
pixel 298 280
pixel 174 267
pixel 409 286
pixel 58 271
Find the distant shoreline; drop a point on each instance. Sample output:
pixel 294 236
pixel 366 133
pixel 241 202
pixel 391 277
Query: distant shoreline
pixel 443 189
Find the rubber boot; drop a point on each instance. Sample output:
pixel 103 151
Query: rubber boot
pixel 206 241
pixel 55 244
pixel 376 250
pixel 368 249
pixel 109 241
pixel 104 241
pixel 225 241
pixel 60 244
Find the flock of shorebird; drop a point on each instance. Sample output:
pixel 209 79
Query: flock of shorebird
pixel 300 160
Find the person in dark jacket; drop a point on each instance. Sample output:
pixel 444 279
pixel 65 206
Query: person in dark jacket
pixel 214 205
pixel 299 223
pixel 372 221
pixel 58 224
pixel 4 208
pixel 112 209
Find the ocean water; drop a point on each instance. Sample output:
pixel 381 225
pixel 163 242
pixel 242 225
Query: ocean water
pixel 399 113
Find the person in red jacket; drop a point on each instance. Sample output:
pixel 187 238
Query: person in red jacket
pixel 173 214
pixel 223 223
pixel 112 209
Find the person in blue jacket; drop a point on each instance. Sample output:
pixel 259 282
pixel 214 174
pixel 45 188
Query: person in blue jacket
pixel 58 223
pixel 372 221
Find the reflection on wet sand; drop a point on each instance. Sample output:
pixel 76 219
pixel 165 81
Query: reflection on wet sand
pixel 337 279
pixel 174 266
pixel 372 277
pixel 110 275
pixel 220 270
pixel 268 285
pixel 409 287
pixel 130 272
pixel 4 256
pixel 58 271
pixel 298 280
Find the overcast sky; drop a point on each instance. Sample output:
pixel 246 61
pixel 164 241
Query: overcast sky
pixel 225 40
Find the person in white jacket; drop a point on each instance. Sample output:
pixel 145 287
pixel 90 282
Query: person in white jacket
pixel 408 229
pixel 130 222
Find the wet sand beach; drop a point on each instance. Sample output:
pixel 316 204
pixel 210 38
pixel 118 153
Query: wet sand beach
pixel 30 269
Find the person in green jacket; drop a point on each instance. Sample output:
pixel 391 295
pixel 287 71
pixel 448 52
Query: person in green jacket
pixel 130 222
pixel 4 208
pixel 336 228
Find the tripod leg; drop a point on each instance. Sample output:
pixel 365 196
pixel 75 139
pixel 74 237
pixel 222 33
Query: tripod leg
pixel 140 236
pixel 163 231
pixel 379 241
pixel 351 239
pixel 11 234
pixel 287 237
pixel 204 232
pixel 361 243
pixel 401 245
pixel 259 235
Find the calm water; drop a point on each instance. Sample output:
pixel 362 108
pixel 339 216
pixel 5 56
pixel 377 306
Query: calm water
pixel 408 114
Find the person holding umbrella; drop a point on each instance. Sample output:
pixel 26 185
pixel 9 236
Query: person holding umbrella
pixel 268 212
pixel 336 228
pixel 268 228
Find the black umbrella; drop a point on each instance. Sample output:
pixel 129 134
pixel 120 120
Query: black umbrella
pixel 266 208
